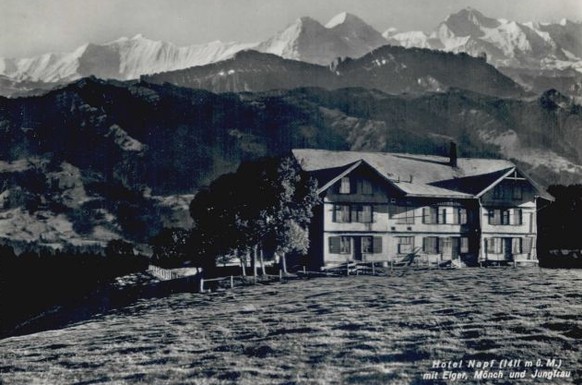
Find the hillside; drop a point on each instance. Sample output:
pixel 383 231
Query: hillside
pixel 389 69
pixel 356 330
pixel 98 160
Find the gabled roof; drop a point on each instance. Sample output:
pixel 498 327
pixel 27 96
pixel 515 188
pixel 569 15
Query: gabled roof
pixel 415 175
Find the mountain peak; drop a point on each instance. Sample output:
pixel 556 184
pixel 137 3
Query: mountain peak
pixel 474 16
pixel 469 21
pixel 343 18
pixel 306 20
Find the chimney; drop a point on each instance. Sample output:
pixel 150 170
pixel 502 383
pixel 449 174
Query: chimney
pixel 453 154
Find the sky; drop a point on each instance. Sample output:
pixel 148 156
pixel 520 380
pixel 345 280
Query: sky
pixel 33 27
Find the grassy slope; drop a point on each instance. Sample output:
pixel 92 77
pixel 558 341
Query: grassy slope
pixel 346 330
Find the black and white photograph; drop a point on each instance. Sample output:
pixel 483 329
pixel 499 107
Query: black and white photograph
pixel 260 192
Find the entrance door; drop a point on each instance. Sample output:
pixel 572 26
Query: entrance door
pixel 357 248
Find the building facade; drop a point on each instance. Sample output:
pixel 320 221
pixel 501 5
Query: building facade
pixel 381 207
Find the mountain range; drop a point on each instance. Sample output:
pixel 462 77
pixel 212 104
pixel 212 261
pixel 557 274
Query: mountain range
pixel 554 50
pixel 99 160
pixel 504 43
pixel 388 68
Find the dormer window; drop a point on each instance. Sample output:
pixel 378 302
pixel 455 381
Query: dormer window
pixel 366 187
pixel 517 192
pixel 345 185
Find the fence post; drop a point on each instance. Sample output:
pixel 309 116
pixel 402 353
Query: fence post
pixel 280 275
pixel 201 285
pixel 231 281
pixel 373 268
pixel 304 270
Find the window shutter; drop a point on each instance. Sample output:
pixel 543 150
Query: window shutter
pixel 346 214
pixel 425 215
pixel 456 216
pixel 516 246
pixel 334 245
pixel 463 216
pixel 496 217
pixel 367 214
pixel 377 245
pixel 498 245
pixel 527 245
pixel 517 215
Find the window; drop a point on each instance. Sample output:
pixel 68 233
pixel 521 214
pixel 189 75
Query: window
pixel 366 187
pixel 341 213
pixel 464 247
pixel 505 217
pixel 459 216
pixel 516 246
pixel 430 215
pixel 443 215
pixel 405 245
pixel 340 245
pixel 364 214
pixel 404 215
pixel 517 192
pixel 345 185
pixel 345 245
pixel 371 245
pixel 493 245
pixel 431 245
pixel 498 192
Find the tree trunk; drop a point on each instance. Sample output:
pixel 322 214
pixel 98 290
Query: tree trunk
pixel 243 265
pixel 284 263
pixel 262 259
pixel 254 261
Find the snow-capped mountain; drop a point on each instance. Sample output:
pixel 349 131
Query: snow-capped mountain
pixel 345 35
pixel 505 43
pixel 122 59
pixel 510 46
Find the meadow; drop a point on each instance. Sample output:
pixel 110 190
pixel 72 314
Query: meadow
pixel 346 330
